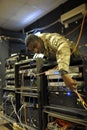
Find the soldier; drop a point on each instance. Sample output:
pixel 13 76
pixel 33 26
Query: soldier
pixel 53 45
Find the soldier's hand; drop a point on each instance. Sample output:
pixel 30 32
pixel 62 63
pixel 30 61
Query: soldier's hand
pixel 69 82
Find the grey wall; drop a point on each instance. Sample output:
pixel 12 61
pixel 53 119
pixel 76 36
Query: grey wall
pixel 4 53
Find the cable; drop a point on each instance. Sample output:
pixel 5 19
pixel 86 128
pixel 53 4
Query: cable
pixel 11 113
pixel 15 110
pixel 22 97
pixel 79 37
pixel 17 114
pixel 81 99
pixel 38 74
pixel 73 30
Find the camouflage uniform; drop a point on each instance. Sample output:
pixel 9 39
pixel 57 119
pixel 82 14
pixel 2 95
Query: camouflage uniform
pixel 59 46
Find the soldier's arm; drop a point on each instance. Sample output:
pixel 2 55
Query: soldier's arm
pixel 63 51
pixel 63 60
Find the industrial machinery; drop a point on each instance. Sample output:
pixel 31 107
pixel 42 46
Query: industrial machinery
pixel 63 103
pixel 36 96
pixel 28 92
pixel 9 98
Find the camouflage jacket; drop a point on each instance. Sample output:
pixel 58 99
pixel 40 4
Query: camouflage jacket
pixel 57 46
